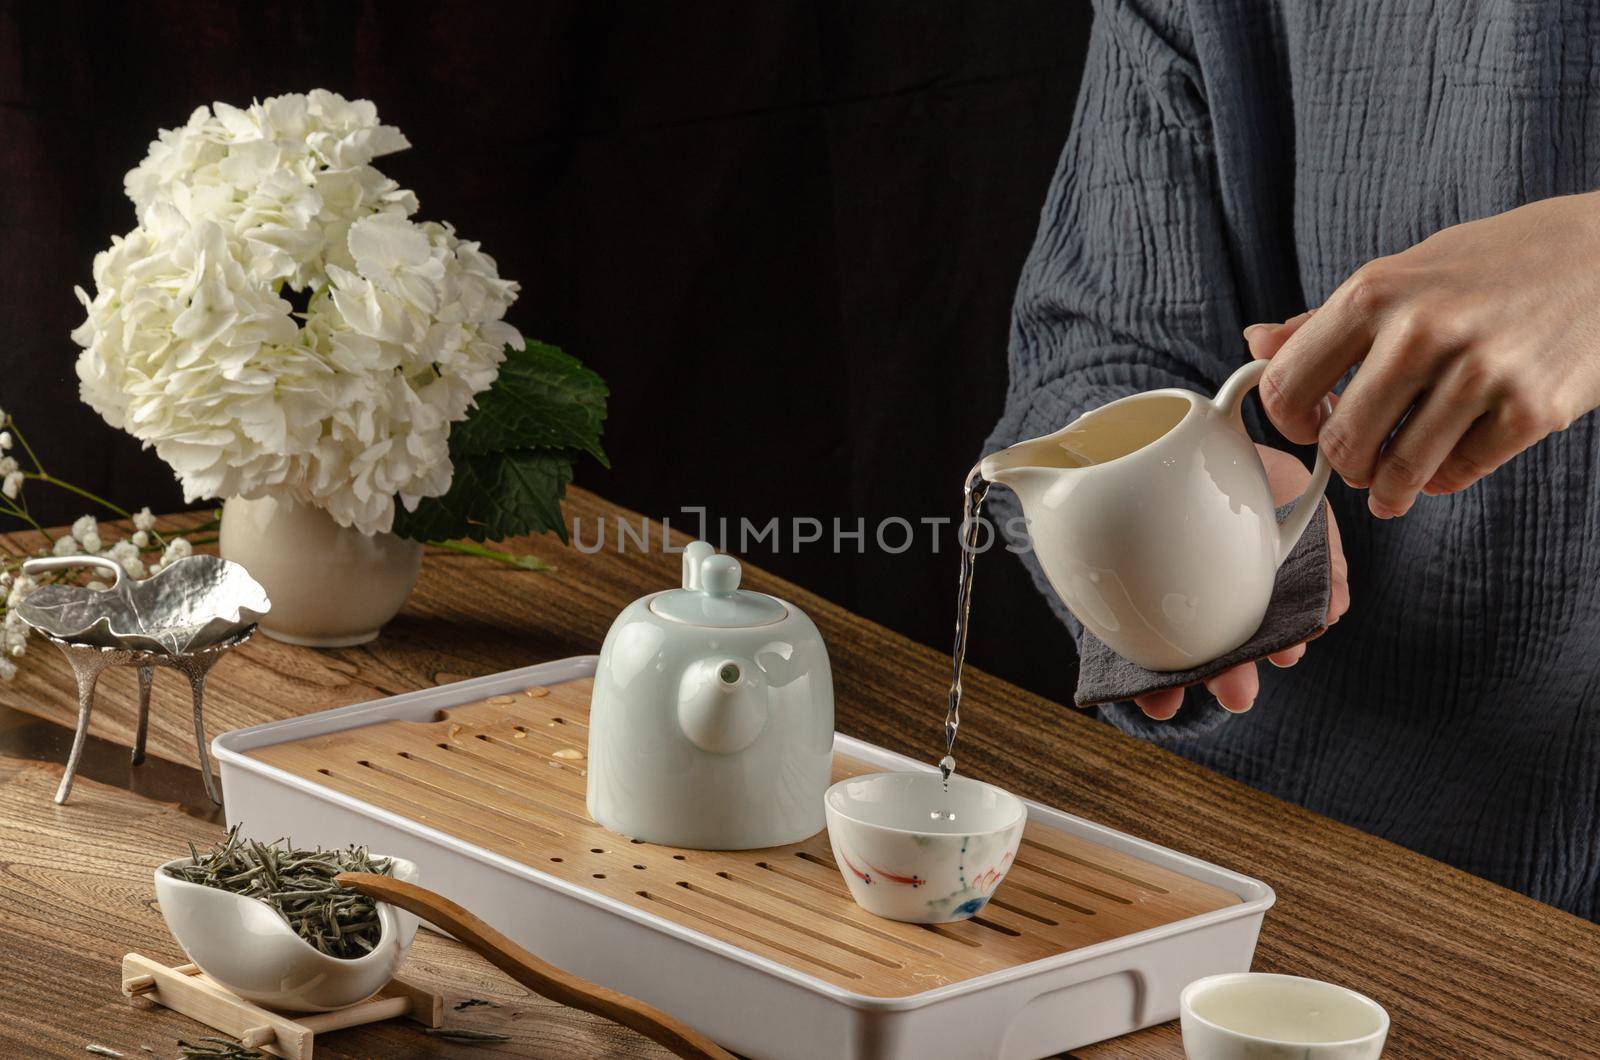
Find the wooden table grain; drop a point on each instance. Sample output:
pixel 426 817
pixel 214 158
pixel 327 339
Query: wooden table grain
pixel 1466 968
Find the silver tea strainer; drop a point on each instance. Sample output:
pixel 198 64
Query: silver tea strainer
pixel 185 617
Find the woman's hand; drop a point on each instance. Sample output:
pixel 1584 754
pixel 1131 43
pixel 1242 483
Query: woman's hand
pixel 1236 688
pixel 1473 345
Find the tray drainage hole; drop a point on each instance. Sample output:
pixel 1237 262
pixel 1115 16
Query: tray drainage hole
pixel 640 867
pixel 679 857
pixel 636 841
pixel 992 926
pixel 596 850
pixel 556 860
pixel 559 721
pixel 599 875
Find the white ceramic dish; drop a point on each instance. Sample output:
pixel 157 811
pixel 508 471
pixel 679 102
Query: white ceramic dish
pixel 911 847
pixel 749 1003
pixel 242 944
pixel 1258 1016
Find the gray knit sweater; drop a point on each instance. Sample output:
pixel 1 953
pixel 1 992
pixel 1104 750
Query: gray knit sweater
pixel 1232 161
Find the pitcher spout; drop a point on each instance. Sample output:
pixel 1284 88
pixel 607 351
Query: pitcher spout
pixel 1030 467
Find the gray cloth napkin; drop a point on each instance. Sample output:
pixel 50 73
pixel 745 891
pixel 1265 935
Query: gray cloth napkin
pixel 1299 606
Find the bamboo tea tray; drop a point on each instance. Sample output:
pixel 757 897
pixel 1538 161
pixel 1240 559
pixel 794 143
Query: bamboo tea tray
pixel 481 783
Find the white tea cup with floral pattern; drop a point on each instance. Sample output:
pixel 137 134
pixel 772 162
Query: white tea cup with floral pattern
pixel 917 848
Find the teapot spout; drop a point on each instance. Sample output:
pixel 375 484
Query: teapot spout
pixel 721 705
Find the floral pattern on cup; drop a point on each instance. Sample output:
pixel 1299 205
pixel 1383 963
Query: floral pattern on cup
pixel 892 865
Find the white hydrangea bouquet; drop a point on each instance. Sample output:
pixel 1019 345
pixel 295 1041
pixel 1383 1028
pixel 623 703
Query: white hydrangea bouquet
pixel 279 324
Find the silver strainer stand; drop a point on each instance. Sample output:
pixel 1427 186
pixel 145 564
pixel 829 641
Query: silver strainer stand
pixel 185 617
pixel 90 660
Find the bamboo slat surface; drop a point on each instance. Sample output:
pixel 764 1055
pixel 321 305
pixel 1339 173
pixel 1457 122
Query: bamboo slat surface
pixel 508 774
pixel 1465 967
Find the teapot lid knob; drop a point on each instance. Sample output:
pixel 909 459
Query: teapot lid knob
pixel 719 575
pixel 694 554
pixel 711 595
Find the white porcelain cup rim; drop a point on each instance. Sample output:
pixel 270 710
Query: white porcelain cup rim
pixel 388 919
pixel 1210 982
pixel 1010 810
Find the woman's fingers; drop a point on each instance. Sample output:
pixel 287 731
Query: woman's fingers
pixel 1236 688
pixel 1288 657
pixel 1339 568
pixel 1265 340
pixel 1161 705
pixel 1319 353
pixel 1417 451
pixel 1495 437
pixel 1395 373
pixel 1502 311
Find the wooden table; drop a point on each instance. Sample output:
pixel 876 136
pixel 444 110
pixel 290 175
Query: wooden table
pixel 1465 968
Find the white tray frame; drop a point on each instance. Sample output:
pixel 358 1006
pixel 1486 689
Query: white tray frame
pixel 747 1002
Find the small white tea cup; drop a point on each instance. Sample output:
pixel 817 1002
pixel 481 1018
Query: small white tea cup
pixel 913 848
pixel 1260 1016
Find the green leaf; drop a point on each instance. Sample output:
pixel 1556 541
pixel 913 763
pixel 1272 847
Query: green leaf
pixel 495 496
pixel 542 399
pixel 513 454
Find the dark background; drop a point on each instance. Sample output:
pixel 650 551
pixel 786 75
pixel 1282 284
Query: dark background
pixel 787 234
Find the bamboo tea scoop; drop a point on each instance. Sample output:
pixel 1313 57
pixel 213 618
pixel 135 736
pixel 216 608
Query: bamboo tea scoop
pixel 538 976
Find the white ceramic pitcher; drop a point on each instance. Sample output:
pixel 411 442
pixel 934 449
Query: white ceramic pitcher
pixel 1154 522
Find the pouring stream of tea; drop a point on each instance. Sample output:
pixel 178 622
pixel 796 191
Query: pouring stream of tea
pixel 973 491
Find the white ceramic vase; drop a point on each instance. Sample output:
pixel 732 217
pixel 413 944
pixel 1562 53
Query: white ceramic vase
pixel 331 586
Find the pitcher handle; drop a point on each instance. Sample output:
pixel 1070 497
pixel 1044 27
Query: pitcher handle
pixel 1227 403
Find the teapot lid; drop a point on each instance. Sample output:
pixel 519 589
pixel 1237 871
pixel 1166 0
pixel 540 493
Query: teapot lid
pixel 711 595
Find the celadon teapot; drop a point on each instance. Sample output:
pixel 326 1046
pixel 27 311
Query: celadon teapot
pixel 1153 520
pixel 711 723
